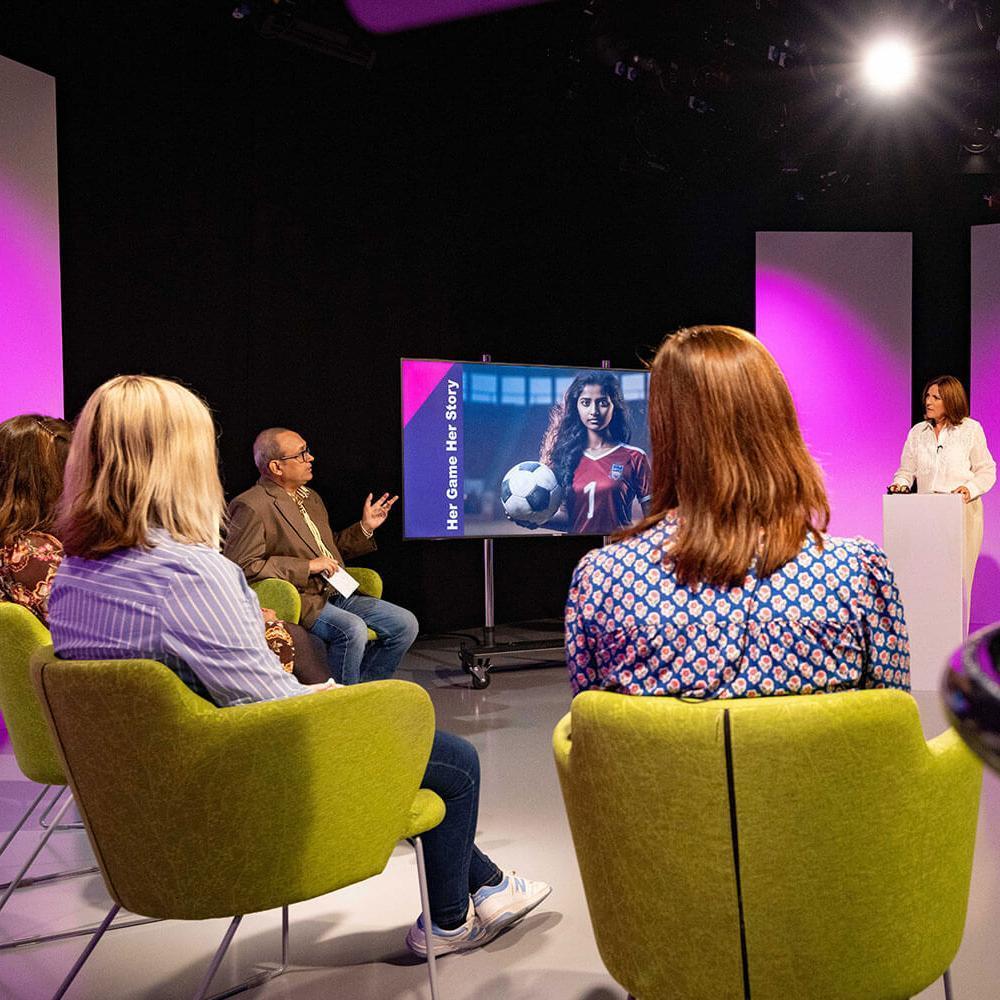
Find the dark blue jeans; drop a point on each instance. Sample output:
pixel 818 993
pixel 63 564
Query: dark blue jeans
pixel 455 866
pixel 343 625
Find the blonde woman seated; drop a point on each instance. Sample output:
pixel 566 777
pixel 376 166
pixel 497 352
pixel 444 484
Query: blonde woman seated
pixel 33 451
pixel 143 577
pixel 731 588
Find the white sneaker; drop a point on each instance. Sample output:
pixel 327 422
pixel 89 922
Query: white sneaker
pixel 469 935
pixel 499 906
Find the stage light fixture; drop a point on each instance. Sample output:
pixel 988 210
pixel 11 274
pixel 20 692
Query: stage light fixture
pixel 889 66
pixel 979 137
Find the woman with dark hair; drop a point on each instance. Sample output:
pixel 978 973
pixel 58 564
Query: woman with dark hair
pixel 731 587
pixel 947 453
pixel 587 447
pixel 33 451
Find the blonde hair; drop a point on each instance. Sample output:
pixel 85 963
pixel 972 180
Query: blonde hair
pixel 728 457
pixel 143 456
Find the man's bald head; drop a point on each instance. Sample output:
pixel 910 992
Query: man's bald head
pixel 267 447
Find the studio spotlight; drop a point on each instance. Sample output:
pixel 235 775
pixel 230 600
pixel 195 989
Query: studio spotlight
pixel 888 66
pixel 979 137
pixel 979 128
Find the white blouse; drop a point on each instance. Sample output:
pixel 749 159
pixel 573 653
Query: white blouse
pixel 958 457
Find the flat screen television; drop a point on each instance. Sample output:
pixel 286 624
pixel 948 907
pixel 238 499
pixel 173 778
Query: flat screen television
pixel 494 450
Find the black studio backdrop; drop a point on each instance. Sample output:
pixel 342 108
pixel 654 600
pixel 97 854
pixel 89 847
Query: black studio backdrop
pixel 276 228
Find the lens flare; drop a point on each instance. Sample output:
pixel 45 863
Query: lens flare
pixel 889 66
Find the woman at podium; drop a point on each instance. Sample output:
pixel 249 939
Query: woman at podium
pixel 947 453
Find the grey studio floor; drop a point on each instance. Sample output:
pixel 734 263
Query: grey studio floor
pixel 350 944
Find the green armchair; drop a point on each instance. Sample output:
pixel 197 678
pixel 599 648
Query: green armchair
pixel 196 811
pixel 21 634
pixel 282 598
pixel 810 846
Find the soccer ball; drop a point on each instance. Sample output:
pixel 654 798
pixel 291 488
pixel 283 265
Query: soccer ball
pixel 529 492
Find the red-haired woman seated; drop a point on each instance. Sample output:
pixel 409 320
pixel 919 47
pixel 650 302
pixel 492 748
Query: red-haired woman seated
pixel 731 588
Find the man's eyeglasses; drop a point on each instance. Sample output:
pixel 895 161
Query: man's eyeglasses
pixel 299 456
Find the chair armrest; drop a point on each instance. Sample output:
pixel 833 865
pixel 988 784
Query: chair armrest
pixel 369 582
pixel 281 597
pixel 20 634
pixel 562 742
pixel 425 813
pixel 956 776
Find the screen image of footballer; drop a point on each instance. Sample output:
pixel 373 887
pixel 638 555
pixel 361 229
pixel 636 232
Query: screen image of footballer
pixel 492 450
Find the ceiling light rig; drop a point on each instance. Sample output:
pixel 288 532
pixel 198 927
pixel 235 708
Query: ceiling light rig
pixel 324 26
pixel 780 85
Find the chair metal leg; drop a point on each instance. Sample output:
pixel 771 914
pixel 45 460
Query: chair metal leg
pixel 265 975
pixel 79 932
pixel 217 958
pixel 26 883
pixel 34 854
pixel 24 819
pixel 425 906
pixel 20 882
pixel 23 883
pixel 91 945
pixel 948 995
pixel 43 820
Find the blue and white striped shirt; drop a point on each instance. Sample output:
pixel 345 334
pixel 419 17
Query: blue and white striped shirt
pixel 184 605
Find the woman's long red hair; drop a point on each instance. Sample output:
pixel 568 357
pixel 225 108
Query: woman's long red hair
pixel 728 457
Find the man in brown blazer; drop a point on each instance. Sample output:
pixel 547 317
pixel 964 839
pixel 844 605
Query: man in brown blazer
pixel 280 528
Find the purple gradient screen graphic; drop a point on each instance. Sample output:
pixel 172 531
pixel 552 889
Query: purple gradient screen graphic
pixel 984 393
pixel 30 312
pixel 384 16
pixel 835 311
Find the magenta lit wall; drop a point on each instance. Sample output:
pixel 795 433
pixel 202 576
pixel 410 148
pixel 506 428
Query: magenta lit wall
pixel 984 392
pixel 835 311
pixel 30 315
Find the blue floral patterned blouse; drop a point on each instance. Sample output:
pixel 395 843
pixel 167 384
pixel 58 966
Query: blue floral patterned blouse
pixel 828 620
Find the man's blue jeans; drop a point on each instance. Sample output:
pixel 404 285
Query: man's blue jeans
pixel 456 868
pixel 343 626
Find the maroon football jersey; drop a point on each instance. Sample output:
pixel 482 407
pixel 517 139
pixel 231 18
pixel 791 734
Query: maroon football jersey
pixel 600 501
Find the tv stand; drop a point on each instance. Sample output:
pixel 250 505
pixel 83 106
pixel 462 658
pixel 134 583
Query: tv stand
pixel 476 658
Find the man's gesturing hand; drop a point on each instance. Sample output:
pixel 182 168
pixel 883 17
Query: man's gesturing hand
pixel 323 564
pixel 373 514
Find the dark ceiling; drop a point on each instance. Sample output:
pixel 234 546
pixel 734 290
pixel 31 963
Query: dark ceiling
pixel 749 94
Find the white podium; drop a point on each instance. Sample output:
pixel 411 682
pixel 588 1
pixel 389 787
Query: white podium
pixel 924 535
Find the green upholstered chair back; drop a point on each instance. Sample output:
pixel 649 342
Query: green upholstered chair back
pixel 195 811
pixel 369 580
pixel 771 848
pixel 21 634
pixel 282 597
